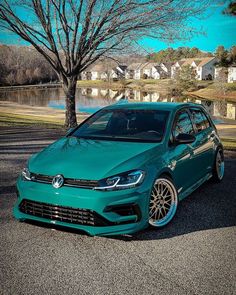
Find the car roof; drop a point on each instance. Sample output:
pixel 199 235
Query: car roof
pixel 163 106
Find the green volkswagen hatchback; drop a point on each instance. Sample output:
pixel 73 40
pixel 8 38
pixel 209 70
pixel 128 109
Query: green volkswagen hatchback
pixel 124 168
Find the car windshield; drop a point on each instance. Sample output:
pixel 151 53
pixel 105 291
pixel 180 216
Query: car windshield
pixel 124 125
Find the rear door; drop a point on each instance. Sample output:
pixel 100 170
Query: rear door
pixel 203 146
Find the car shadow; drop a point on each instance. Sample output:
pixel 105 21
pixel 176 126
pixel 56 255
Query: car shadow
pixel 211 206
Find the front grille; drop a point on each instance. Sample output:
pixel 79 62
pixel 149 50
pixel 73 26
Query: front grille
pixel 63 213
pixel 41 178
pixel 82 183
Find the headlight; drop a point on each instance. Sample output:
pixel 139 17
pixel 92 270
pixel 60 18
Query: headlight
pixel 122 181
pixel 26 174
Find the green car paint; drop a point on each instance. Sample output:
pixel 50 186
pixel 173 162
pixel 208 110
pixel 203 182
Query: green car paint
pixel 188 165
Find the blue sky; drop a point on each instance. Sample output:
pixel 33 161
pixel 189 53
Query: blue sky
pixel 219 29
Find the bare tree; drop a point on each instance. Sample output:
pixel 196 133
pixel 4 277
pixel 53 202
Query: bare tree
pixel 72 34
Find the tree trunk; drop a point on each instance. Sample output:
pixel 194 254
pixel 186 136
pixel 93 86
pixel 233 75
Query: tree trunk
pixel 70 90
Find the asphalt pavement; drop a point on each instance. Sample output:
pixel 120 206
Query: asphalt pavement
pixel 195 254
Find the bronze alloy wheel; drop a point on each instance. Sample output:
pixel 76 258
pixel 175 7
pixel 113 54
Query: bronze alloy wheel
pixel 163 202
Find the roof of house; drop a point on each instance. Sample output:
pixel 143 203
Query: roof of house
pixel 101 66
pixel 141 66
pixel 199 61
pixel 134 66
pixel 122 67
pixel 167 64
pixel 98 67
pixel 159 69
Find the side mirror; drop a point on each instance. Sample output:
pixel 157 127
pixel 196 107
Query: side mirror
pixel 70 130
pixel 184 138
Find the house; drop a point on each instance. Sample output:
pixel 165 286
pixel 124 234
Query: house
pixel 162 70
pixel 118 72
pixel 93 72
pixel 176 67
pixel 98 71
pixel 133 71
pixel 203 67
pixel 147 70
pixel 232 74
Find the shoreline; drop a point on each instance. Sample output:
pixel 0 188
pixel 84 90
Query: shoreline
pixel 146 85
pixel 231 98
pixel 149 85
pixel 29 86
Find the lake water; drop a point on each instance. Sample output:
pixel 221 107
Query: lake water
pixel 90 99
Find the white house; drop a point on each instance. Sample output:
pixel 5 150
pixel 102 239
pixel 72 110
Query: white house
pixel 149 71
pixel 162 70
pixel 98 71
pixel 232 74
pixel 93 72
pixel 203 67
pixel 146 70
pixel 133 71
pixel 176 67
pixel 118 72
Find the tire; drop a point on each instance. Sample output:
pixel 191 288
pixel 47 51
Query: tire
pixel 163 202
pixel 219 166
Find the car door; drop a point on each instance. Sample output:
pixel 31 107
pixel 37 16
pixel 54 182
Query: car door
pixel 180 156
pixel 203 146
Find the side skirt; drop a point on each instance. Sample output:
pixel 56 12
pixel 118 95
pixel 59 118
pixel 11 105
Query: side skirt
pixel 192 188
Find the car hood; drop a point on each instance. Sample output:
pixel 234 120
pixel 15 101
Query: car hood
pixel 91 159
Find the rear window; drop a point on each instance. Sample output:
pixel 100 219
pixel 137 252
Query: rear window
pixel 199 119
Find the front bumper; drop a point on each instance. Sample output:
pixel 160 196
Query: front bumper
pixel 109 209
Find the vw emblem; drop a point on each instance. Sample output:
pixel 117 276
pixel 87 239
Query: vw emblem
pixel 58 181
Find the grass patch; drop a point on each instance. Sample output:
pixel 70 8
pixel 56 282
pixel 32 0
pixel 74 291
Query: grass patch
pixel 126 83
pixel 150 81
pixel 7 119
pixel 12 119
pixel 227 86
pixel 231 86
pixel 229 143
pixel 212 94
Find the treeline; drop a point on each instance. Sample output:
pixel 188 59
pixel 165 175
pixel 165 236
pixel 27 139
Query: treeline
pixel 20 65
pixel 173 55
pixel 225 57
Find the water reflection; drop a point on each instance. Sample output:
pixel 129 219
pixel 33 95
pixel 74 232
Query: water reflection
pixel 91 99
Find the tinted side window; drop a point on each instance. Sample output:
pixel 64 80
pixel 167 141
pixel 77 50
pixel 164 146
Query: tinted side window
pixel 183 124
pixel 200 120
